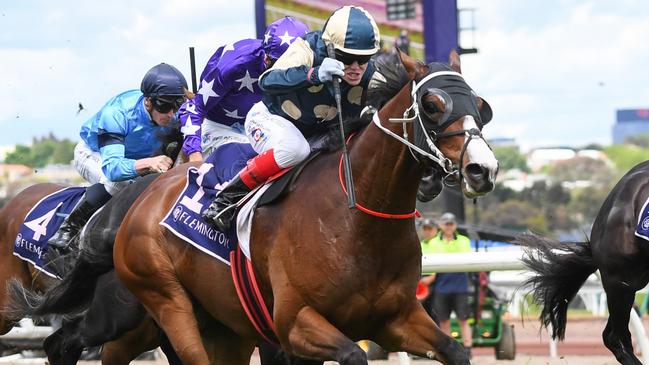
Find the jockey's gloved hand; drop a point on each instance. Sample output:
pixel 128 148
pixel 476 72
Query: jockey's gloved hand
pixel 330 68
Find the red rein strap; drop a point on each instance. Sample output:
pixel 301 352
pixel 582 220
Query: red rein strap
pixel 415 213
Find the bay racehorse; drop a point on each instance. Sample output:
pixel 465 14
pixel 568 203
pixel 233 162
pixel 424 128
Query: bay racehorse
pixel 621 257
pixel 330 274
pixel 142 335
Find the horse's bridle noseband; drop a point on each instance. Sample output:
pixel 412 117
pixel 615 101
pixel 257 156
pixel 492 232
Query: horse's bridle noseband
pixel 412 114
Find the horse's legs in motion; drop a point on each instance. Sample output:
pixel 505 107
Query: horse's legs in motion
pixel 418 334
pixel 131 345
pixel 158 289
pixel 311 335
pixel 616 335
pixel 223 345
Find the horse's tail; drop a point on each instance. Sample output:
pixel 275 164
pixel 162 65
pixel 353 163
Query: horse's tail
pixel 70 296
pixel 560 268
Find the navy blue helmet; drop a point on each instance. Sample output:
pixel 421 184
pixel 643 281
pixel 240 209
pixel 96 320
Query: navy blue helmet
pixel 163 80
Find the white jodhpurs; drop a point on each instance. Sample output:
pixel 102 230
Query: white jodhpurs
pixel 269 131
pixel 88 165
pixel 214 135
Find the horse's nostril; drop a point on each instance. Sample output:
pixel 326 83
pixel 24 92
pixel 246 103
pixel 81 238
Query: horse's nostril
pixel 475 170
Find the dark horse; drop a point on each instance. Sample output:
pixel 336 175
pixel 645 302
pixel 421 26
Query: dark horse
pixel 143 334
pixel 621 258
pixel 331 275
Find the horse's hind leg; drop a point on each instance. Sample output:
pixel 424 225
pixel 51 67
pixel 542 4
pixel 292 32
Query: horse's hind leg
pixel 310 335
pixel 225 347
pixel 416 333
pixel 616 335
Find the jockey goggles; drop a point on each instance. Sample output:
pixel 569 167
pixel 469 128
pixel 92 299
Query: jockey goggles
pixel 164 105
pixel 348 58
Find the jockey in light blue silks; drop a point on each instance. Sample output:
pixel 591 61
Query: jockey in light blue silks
pixel 118 143
pixel 297 102
pixel 229 88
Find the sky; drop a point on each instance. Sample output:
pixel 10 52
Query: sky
pixel 554 71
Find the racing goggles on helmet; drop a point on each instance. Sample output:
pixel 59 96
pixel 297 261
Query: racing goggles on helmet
pixel 348 58
pixel 165 104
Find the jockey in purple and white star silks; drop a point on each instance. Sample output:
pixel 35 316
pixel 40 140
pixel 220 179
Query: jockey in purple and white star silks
pixel 229 88
pixel 299 101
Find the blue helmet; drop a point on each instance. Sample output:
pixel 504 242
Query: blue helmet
pixel 352 30
pixel 163 80
pixel 280 34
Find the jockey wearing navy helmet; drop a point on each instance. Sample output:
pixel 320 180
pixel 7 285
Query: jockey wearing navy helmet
pixel 229 88
pixel 298 101
pixel 119 143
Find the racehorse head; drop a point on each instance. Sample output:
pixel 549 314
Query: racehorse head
pixel 445 117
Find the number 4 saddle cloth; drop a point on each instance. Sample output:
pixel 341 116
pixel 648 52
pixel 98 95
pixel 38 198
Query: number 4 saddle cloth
pixel 40 224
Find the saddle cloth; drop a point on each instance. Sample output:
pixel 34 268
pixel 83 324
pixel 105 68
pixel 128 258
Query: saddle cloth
pixel 185 218
pixel 40 224
pixel 642 228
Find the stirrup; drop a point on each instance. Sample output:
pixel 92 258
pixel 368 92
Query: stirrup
pixel 221 220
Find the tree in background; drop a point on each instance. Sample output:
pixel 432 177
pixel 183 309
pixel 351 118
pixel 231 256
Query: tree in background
pixel 582 169
pixel 509 157
pixel 625 156
pixel 43 151
pixel 640 140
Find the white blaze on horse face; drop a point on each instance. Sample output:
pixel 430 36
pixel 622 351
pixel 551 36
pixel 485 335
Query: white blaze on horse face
pixel 478 152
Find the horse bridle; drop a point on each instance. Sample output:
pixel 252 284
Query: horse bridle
pixel 412 114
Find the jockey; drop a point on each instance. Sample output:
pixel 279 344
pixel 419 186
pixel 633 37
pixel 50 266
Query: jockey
pixel 229 89
pixel 118 143
pixel 297 102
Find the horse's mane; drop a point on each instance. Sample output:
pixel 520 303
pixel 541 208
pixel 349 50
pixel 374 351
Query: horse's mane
pixel 388 79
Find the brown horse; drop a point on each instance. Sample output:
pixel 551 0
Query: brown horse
pixel 141 337
pixel 330 274
pixel 120 351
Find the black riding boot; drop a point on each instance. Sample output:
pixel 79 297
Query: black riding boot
pixel 73 223
pixel 222 210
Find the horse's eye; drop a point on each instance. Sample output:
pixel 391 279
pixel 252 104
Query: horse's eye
pixel 433 105
pixel 430 108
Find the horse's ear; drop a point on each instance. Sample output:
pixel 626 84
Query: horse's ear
pixel 454 61
pixel 411 64
pixel 486 114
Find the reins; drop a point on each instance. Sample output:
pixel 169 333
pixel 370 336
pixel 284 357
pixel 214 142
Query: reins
pixel 365 210
pixel 411 114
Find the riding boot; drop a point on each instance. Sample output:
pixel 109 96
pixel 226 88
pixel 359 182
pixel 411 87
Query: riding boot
pixel 73 223
pixel 221 212
pixel 223 209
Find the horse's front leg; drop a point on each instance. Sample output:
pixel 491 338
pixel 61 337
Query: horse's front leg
pixel 308 334
pixel 416 333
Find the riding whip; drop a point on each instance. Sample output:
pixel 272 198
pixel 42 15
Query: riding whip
pixel 192 65
pixel 347 164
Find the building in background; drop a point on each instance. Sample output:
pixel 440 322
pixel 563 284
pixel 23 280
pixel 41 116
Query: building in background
pixel 630 122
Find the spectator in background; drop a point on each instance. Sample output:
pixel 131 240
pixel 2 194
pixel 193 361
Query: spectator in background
pixel 429 230
pixel 451 289
pixel 403 42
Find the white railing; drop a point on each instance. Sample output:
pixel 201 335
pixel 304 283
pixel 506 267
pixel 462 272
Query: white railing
pixel 511 260
pixel 464 262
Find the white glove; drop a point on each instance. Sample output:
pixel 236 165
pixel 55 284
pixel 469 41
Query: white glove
pixel 329 68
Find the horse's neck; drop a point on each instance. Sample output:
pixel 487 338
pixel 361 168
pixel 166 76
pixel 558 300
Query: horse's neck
pixel 386 174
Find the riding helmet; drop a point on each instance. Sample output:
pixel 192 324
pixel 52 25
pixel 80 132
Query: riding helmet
pixel 352 30
pixel 280 34
pixel 163 80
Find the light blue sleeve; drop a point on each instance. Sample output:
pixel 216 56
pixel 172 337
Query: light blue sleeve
pixel 114 165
